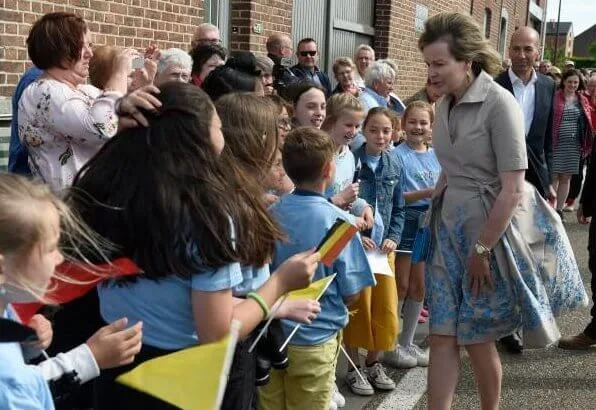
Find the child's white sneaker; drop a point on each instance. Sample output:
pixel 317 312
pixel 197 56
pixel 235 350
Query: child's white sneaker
pixel 359 386
pixel 337 397
pixel 420 355
pixel 400 358
pixel 378 378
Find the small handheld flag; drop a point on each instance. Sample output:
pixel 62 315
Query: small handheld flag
pixel 314 291
pixel 84 278
pixel 193 378
pixel 336 238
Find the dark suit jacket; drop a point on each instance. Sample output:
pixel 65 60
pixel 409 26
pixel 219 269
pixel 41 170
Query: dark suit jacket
pixel 303 75
pixel 588 195
pixel 539 141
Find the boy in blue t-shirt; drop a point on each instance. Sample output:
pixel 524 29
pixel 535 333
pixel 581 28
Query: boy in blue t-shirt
pixel 306 216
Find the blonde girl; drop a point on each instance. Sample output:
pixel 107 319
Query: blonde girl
pixel 30 228
pixel 421 171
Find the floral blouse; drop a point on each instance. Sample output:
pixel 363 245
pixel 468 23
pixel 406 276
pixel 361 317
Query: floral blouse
pixel 64 127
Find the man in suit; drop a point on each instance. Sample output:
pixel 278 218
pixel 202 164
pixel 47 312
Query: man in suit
pixel 306 69
pixel 534 93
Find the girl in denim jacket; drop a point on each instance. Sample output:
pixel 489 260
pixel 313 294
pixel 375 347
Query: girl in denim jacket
pixel 374 326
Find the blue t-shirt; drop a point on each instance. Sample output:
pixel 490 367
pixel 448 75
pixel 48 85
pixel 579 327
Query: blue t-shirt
pixel 252 279
pixel 306 217
pixel 421 170
pixel 22 387
pixel 164 305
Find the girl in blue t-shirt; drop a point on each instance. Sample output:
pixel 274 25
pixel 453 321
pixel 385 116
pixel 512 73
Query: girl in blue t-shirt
pixel 190 217
pixel 29 253
pixel 421 172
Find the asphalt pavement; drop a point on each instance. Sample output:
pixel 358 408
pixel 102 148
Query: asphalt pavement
pixel 537 379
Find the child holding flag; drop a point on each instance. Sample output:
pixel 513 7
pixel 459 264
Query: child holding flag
pixel 374 325
pixel 29 253
pixel 306 215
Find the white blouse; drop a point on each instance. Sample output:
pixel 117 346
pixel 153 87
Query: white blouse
pixel 63 128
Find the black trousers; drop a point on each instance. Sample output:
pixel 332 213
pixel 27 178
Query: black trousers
pixel 240 391
pixel 576 182
pixel 591 329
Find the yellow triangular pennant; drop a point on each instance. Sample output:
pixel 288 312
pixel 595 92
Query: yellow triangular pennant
pixel 193 378
pixel 314 291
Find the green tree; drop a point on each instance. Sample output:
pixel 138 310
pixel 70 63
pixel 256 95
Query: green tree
pixel 592 49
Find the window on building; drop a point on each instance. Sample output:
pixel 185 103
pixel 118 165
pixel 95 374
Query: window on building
pixel 488 14
pixel 502 36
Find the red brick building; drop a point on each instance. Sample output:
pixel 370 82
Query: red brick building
pixel 392 27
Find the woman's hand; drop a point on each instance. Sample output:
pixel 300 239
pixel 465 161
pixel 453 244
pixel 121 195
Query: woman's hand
pixel 43 329
pixel 114 345
pixel 480 276
pixel 301 311
pixel 269 199
pixel 131 103
pixel 388 246
pixel 297 271
pixel 368 243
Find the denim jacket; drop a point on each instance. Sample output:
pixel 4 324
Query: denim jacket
pixel 385 188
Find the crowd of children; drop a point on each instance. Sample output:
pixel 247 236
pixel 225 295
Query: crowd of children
pixel 221 201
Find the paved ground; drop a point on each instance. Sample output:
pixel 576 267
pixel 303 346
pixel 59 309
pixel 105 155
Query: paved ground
pixel 538 379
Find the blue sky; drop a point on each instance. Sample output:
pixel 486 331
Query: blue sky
pixel 582 13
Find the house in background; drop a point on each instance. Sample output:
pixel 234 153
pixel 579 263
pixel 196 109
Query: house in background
pixel 583 41
pixel 563 37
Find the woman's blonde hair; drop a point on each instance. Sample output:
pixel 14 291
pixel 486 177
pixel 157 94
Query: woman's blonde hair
pixel 337 105
pixel 22 226
pixel 465 39
pixel 342 62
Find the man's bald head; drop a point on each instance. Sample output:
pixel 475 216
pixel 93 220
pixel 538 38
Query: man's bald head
pixel 279 45
pixel 524 51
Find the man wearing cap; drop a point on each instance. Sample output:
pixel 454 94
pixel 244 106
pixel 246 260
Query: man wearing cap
pixel 569 65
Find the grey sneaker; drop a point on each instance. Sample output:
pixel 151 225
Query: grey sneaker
pixel 359 386
pixel 378 378
pixel 400 358
pixel 420 355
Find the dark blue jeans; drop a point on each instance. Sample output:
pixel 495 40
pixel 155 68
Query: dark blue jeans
pixel 591 329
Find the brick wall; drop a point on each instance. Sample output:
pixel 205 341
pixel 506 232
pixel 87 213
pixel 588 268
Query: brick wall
pixel 130 23
pixel 396 38
pixel 276 16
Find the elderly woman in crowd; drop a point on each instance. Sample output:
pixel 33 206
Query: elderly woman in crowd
pixel 174 64
pixel 364 57
pixel 63 121
pixel 265 65
pixel 379 80
pixel 206 58
pixel 554 73
pixel 343 70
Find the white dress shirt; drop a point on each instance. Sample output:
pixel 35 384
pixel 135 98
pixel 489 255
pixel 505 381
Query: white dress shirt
pixel 525 94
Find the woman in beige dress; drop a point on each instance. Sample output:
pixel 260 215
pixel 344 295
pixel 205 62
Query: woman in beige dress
pixel 499 257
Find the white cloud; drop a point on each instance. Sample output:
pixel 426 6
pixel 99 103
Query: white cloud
pixel 582 13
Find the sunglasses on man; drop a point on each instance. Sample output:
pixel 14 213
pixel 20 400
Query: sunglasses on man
pixel 308 53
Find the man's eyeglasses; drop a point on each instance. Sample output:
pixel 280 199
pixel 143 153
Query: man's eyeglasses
pixel 308 53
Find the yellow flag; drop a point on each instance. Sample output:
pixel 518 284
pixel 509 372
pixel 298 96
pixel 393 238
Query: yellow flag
pixel 314 291
pixel 193 378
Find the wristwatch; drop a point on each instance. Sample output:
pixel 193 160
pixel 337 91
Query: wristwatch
pixel 482 250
